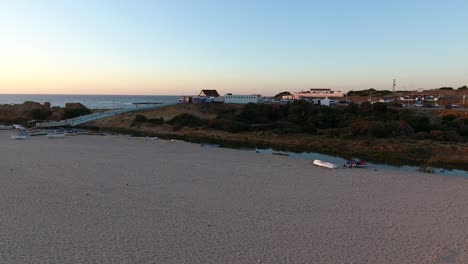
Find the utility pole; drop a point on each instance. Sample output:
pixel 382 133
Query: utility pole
pixel 394 84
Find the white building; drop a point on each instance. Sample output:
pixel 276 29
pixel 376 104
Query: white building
pixel 241 99
pixel 322 101
pixel 317 93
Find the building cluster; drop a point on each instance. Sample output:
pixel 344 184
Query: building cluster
pixel 319 96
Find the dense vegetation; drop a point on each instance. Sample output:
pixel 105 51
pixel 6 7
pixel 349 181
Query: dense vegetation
pixel 370 91
pixel 354 121
pixel 464 87
pixel 141 119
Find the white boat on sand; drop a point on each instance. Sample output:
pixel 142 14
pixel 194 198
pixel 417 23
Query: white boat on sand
pixel 19 137
pixel 19 127
pixel 325 164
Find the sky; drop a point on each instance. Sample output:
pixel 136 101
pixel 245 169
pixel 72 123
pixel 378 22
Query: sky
pixel 179 47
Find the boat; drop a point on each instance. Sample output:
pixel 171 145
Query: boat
pixel 325 164
pixel 2 127
pixel 19 127
pixel 357 163
pixel 37 133
pixel 19 137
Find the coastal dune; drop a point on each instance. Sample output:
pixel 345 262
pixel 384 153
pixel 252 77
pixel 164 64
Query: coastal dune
pixel 117 199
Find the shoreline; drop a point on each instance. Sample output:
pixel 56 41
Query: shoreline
pixel 252 143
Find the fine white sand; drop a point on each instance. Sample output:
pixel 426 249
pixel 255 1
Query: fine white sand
pixel 91 199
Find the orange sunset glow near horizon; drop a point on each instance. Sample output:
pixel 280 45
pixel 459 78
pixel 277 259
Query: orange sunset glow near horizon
pixel 180 47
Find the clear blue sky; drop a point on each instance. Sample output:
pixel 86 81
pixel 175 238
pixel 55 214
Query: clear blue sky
pixel 177 47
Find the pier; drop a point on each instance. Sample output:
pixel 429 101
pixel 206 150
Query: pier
pixel 95 116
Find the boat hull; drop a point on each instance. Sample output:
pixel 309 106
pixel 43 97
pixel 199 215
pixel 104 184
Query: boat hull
pixel 19 137
pixel 325 164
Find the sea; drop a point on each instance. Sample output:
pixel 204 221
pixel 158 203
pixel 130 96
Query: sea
pixel 90 101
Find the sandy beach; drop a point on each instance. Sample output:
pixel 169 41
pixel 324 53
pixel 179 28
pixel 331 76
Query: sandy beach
pixel 116 199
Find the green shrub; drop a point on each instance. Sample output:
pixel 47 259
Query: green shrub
pixel 140 119
pixel 444 135
pixel 156 121
pixel 187 120
pixel 232 126
pixel 420 123
pixel 449 118
pixel 382 129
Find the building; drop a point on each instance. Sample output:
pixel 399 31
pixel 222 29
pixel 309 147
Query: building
pixel 209 93
pixel 208 96
pixel 317 93
pixel 241 99
pixel 322 101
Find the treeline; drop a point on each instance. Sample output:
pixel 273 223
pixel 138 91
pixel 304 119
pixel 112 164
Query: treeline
pixel 369 92
pixel 372 91
pixel 464 87
pixel 354 121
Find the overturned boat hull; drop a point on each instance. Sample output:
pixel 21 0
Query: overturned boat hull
pixel 325 164
pixel 19 137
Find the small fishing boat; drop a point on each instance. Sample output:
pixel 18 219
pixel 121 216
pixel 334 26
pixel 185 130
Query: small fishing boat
pixel 19 127
pixel 357 163
pixel 2 127
pixel 19 137
pixel 324 164
pixel 37 133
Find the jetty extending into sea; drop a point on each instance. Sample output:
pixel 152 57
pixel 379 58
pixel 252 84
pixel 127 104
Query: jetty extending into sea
pixel 95 116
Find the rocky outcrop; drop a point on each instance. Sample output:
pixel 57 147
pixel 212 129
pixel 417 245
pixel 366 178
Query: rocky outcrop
pixel 22 113
pixel 75 106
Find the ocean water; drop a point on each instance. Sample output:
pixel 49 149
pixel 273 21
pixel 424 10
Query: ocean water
pixel 90 101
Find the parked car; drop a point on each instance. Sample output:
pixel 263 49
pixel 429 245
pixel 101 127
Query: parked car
pixel 418 105
pixel 448 106
pixel 455 106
